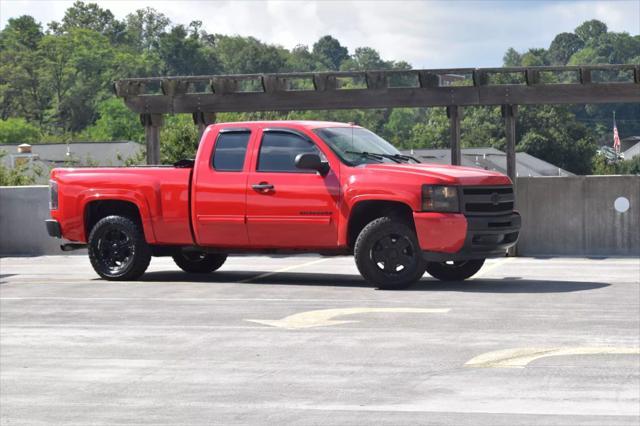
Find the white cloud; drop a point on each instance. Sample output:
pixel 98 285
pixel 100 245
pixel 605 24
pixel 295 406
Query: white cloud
pixel 429 34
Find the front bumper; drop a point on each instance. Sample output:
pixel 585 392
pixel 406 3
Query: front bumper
pixel 53 228
pixel 486 236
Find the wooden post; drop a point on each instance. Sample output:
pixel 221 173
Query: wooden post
pixel 152 124
pixel 509 112
pixel 453 112
pixel 203 119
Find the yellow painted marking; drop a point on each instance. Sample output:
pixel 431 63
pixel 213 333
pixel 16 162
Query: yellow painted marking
pixel 324 317
pixel 288 268
pixel 490 267
pixel 520 357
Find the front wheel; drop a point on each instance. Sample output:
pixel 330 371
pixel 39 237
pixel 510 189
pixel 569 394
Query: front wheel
pixel 197 262
pixel 388 255
pixel 454 270
pixel 118 250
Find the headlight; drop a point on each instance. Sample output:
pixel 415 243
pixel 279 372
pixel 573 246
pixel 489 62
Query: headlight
pixel 53 195
pixel 437 198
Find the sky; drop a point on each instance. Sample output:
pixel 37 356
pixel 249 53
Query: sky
pixel 427 34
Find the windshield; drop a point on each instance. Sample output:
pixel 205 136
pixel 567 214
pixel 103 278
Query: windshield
pixel 356 145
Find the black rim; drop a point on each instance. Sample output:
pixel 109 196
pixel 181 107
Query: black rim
pixel 394 254
pixel 115 251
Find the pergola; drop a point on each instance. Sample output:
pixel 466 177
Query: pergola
pixel 204 96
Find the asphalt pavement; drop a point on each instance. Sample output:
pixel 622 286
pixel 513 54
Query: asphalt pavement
pixel 304 340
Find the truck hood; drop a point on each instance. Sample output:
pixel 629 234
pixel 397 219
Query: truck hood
pixel 444 173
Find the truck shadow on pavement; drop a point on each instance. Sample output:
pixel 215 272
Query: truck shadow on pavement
pixel 481 285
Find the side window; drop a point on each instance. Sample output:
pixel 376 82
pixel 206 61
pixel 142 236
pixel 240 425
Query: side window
pixel 230 150
pixel 278 152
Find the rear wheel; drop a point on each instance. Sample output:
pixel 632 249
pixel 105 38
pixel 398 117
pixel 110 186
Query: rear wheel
pixel 454 270
pixel 387 254
pixel 198 262
pixel 118 250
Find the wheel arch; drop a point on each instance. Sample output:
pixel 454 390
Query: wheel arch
pixel 363 212
pixel 99 208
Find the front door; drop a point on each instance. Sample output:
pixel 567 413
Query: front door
pixel 288 207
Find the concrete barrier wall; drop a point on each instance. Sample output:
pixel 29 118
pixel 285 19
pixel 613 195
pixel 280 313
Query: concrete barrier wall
pixel 576 216
pixel 561 216
pixel 23 210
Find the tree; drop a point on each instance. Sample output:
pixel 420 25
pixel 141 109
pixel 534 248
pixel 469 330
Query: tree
pixel 590 31
pixel 22 92
pixel 563 46
pixel 182 53
pixel 512 58
pixel 90 16
pixel 116 123
pixel 75 67
pixel 18 130
pixel 247 55
pixel 330 52
pixel 144 27
pixel 179 139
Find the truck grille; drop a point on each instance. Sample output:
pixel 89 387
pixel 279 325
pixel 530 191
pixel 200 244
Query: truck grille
pixel 487 200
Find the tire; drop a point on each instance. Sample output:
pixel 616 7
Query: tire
pixel 388 255
pixel 454 271
pixel 118 250
pixel 198 262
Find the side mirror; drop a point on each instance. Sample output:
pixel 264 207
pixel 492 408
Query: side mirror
pixel 312 162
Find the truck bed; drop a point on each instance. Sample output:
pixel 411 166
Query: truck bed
pixel 160 193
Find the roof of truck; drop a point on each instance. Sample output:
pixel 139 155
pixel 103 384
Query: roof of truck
pixel 309 124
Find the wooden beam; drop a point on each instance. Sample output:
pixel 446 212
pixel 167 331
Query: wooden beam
pixel 453 112
pixel 387 98
pixel 203 119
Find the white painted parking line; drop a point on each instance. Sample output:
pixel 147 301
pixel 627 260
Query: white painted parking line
pixel 491 266
pixel 323 317
pixel 521 357
pixel 288 268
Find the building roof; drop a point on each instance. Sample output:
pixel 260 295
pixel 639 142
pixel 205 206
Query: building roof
pixel 492 159
pixel 76 153
pixel 633 151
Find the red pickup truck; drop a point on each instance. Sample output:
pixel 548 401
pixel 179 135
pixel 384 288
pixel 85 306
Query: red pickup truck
pixel 288 187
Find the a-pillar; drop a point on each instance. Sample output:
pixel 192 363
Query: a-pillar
pixel 453 112
pixel 203 119
pixel 152 124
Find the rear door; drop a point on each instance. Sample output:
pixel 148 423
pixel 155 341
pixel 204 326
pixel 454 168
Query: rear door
pixel 220 190
pixel 288 207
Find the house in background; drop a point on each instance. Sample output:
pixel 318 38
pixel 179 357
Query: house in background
pixel 491 159
pixel 630 147
pixel 43 157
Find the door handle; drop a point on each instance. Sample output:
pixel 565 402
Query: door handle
pixel 262 187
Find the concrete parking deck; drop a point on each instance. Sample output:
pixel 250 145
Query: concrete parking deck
pixel 528 341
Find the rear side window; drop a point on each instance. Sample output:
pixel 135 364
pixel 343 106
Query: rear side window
pixel 278 152
pixel 230 151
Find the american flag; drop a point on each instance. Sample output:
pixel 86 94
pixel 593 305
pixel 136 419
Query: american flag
pixel 616 137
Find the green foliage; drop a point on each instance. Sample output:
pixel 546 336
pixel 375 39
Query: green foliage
pixel 18 130
pixel 116 123
pixel 179 139
pixel 15 176
pixel 627 167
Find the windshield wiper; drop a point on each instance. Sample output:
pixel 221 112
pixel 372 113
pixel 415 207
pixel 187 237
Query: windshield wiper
pixel 407 157
pixel 375 156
